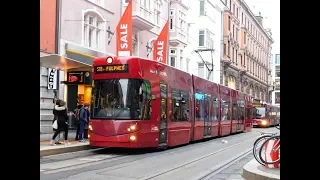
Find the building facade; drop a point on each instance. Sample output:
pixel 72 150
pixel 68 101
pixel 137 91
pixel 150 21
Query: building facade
pixel 48 45
pixel 276 75
pixel 85 30
pixel 246 51
pixel 205 39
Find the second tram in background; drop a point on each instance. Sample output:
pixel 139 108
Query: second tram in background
pixel 265 115
pixel 139 103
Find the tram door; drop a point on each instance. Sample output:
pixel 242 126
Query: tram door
pixel 164 114
pixel 236 115
pixel 207 119
pixel 241 109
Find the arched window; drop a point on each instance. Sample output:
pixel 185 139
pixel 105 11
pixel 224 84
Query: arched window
pixel 94 30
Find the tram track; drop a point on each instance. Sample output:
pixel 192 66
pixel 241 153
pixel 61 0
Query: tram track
pixel 128 160
pixel 110 151
pixel 199 159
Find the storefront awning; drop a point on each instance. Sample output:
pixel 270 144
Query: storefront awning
pixel 62 63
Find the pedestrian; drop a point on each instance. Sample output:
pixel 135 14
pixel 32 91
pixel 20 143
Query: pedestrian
pixel 55 118
pixel 77 119
pixel 62 121
pixel 83 120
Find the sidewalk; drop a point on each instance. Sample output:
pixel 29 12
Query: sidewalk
pixel 255 171
pixel 46 149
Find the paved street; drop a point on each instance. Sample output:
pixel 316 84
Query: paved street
pixel 188 162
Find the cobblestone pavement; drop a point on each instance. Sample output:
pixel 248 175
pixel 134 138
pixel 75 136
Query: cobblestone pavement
pixel 234 171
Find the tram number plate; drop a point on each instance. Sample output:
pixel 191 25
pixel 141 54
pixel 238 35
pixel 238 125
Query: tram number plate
pixel 118 68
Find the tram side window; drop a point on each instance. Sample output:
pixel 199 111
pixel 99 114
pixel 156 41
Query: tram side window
pixel 249 113
pixel 145 100
pixel 241 110
pixel 225 110
pixel 207 106
pixel 215 109
pixel 234 111
pixel 202 105
pixel 180 105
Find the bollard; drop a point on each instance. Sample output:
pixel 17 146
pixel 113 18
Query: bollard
pixel 272 153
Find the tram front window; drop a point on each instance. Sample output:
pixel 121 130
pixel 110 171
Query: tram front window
pixel 261 112
pixel 121 99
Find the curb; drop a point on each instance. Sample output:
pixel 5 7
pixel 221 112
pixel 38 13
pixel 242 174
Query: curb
pixel 251 171
pixel 53 150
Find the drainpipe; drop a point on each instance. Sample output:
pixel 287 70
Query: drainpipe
pixel 58 25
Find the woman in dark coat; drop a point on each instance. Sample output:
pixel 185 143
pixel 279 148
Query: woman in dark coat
pixel 60 112
pixel 55 118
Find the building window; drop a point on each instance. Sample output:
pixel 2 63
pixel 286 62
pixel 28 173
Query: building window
pixel 173 61
pixel 236 56
pixel 157 13
pixel 237 13
pixel 229 48
pixel 173 57
pixel 94 31
pixel 201 70
pixel 181 59
pixel 277 97
pixel 209 40
pixel 201 37
pixel 277 58
pixel 202 8
pixel 237 34
pixel 241 18
pixel 182 20
pixel 233 34
pixel 229 23
pixel 187 64
pixel 135 45
pixel 206 39
pixel 277 72
pixel 224 49
pixel 171 20
pixel 277 84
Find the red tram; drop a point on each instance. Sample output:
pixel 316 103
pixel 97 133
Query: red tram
pixel 266 115
pixel 142 103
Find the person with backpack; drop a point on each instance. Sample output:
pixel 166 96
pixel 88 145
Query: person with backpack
pixel 76 115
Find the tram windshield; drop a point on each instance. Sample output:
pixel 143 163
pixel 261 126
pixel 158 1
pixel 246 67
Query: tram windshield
pixel 261 112
pixel 121 99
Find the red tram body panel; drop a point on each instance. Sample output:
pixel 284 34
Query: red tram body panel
pixel 140 103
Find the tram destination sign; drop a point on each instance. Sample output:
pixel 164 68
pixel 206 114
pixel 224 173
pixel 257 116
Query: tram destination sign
pixel 115 68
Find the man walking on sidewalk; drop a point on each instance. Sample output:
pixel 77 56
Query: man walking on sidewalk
pixel 83 120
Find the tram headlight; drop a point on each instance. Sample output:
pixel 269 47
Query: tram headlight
pixel 90 127
pixel 264 122
pixel 132 138
pixel 132 127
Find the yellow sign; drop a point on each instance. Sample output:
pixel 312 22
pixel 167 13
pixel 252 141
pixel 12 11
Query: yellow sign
pixel 257 105
pixel 118 68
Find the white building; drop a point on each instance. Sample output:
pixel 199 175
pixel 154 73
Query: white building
pixel 276 79
pixel 205 29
